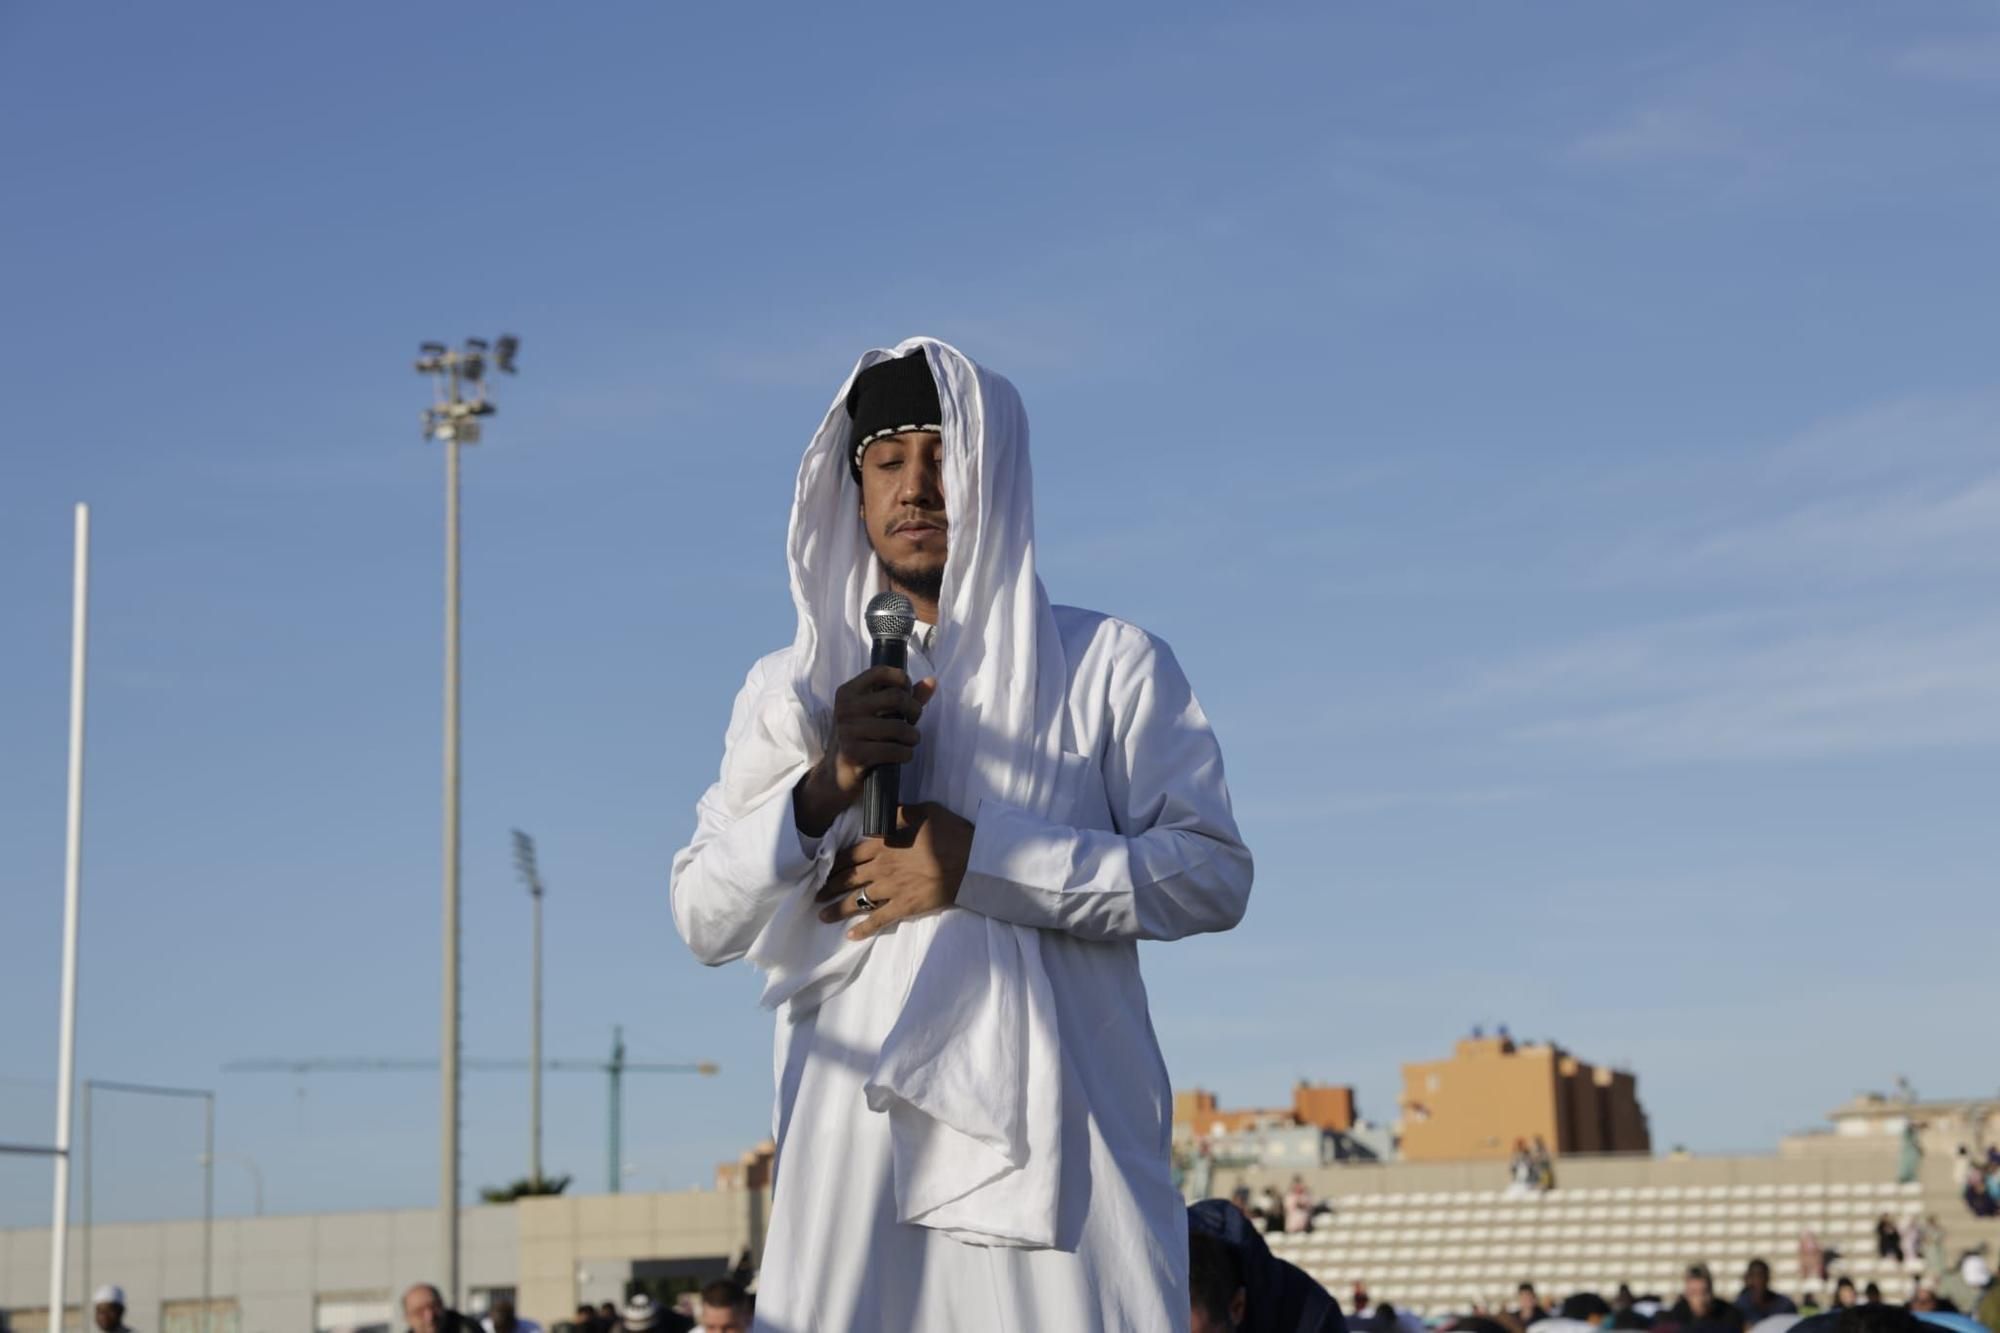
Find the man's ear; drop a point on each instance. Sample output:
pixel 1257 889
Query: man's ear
pixel 1239 1307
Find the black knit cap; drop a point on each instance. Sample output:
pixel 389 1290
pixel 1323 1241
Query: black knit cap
pixel 888 398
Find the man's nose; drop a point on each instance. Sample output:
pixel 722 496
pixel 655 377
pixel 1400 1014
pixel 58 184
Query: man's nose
pixel 920 483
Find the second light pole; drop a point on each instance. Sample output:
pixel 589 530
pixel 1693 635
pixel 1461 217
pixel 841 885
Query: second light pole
pixel 531 875
pixel 452 419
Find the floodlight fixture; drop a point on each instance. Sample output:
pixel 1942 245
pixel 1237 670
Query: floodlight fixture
pixel 524 862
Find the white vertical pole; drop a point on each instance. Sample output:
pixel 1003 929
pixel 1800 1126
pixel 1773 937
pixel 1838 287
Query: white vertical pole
pixel 72 893
pixel 208 1214
pixel 535 1053
pixel 89 1199
pixel 448 1060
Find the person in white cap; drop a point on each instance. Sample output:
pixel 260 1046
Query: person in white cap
pixel 108 1308
pixel 644 1315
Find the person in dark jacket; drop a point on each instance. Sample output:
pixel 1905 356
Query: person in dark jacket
pixel 1757 1301
pixel 1269 1295
pixel 1698 1307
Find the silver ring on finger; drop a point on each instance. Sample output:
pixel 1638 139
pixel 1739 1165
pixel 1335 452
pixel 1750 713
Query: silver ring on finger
pixel 863 903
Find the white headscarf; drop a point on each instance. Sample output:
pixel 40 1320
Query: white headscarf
pixel 970 1073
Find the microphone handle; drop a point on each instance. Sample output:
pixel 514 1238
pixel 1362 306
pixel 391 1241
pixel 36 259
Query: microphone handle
pixel 879 786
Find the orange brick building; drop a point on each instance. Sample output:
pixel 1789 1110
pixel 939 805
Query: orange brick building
pixel 1325 1106
pixel 1492 1092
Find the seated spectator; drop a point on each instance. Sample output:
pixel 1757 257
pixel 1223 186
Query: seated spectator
pixel 1876 1317
pixel 1757 1301
pixel 1585 1307
pixel 1270 1210
pixel 1528 1308
pixel 725 1307
pixel 1298 1206
pixel 642 1315
pixel 1843 1294
pixel 502 1319
pixel 1971 1286
pixel 1698 1307
pixel 1812 1257
pixel 1277 1297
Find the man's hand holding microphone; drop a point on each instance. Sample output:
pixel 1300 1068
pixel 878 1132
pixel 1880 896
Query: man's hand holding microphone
pixel 918 862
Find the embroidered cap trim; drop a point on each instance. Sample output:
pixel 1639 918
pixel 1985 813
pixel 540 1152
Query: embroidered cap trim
pixel 886 432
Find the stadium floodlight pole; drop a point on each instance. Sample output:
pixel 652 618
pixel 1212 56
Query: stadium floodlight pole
pixel 531 875
pixel 79 644
pixel 452 420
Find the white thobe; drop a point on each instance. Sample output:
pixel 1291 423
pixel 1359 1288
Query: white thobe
pixel 1150 851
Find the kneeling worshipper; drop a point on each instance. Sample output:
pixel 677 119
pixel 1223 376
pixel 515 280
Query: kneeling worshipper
pixel 972 1113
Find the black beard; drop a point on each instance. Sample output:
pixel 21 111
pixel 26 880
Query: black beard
pixel 927 584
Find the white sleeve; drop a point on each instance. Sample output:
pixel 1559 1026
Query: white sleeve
pixel 1174 865
pixel 732 878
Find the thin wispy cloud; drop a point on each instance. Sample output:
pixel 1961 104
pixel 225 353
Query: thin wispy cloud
pixel 1885 439
pixel 1655 133
pixel 1935 531
pixel 1749 688
pixel 1955 59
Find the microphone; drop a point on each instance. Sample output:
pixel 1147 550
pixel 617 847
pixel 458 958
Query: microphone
pixel 890 619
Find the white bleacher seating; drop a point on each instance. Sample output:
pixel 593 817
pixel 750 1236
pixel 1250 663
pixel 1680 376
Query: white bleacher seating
pixel 1436 1252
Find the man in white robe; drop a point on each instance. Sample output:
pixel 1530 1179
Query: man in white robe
pixel 972 1115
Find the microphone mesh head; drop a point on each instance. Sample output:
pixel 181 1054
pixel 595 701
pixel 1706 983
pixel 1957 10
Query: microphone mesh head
pixel 890 616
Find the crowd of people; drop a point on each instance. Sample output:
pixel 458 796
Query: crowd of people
pixel 1979 1180
pixel 1293 1211
pixel 1236 1283
pixel 1968 1301
pixel 723 1306
pixel 1531 1169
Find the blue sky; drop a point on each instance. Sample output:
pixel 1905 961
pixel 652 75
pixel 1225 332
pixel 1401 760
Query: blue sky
pixel 1559 441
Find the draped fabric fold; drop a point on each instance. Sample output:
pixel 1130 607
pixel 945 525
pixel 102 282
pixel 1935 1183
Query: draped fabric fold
pixel 969 1075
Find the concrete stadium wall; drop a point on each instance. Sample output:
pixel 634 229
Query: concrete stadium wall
pixel 270 1274
pixel 276 1269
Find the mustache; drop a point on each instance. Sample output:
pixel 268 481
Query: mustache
pixel 927 520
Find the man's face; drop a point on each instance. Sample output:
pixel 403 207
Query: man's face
pixel 902 506
pixel 724 1319
pixel 1524 1299
pixel 1698 1290
pixel 503 1317
pixel 423 1310
pixel 1757 1277
pixel 109 1316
